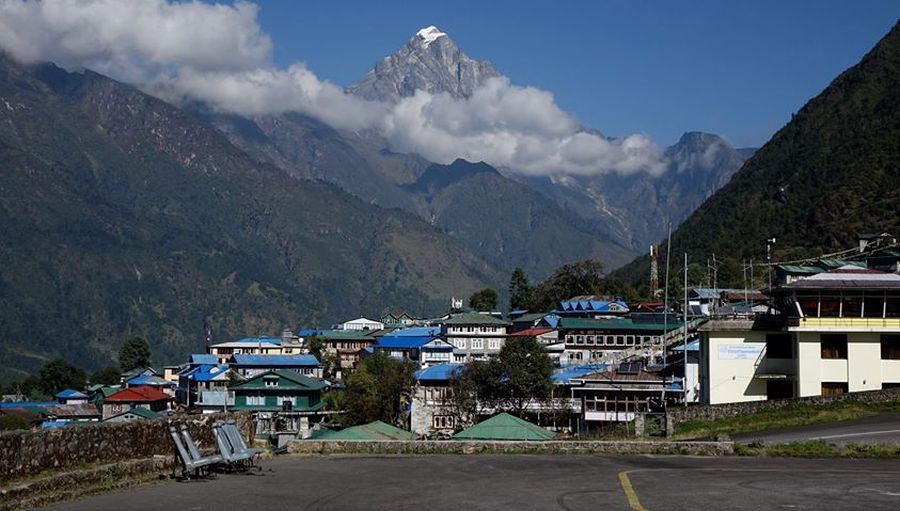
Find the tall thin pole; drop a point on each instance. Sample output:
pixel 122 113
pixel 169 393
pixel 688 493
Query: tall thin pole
pixel 666 298
pixel 685 345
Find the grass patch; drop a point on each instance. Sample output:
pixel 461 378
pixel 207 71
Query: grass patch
pixel 799 414
pixel 817 449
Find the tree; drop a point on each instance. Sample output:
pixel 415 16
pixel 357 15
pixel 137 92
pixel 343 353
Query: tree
pixel 378 389
pixel 520 374
pixel 573 279
pixel 330 362
pixel 135 353
pixel 109 375
pixel 58 374
pixel 10 422
pixel 526 370
pixel 519 290
pixel 484 300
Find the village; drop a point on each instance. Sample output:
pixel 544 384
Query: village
pixel 827 326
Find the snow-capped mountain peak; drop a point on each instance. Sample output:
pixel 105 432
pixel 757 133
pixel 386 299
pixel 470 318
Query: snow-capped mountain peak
pixel 430 34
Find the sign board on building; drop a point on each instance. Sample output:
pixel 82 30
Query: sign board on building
pixel 739 351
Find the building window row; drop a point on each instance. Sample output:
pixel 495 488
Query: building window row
pixel 609 340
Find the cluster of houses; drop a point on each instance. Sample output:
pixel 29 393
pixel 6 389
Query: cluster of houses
pixel 825 327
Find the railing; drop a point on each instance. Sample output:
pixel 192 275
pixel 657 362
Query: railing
pixel 846 323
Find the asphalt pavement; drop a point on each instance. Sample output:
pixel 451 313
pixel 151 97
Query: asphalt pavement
pixel 881 429
pixel 526 482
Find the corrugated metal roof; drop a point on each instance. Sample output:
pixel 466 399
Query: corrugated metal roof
pixel 439 372
pixel 473 318
pixel 372 431
pixel 504 426
pixel 299 379
pixel 849 276
pixel 146 379
pixel 391 342
pixel 564 374
pixel 71 394
pixel 417 331
pixel 239 359
pixel 138 395
pixel 139 411
pixel 619 324
pixel 204 358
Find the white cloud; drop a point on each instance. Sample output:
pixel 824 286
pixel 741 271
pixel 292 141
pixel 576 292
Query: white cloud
pixel 219 54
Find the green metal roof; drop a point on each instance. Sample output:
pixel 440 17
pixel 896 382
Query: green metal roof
pixel 617 324
pixel 372 431
pixel 297 381
pixel 504 426
pixel 534 316
pixel 140 412
pixel 473 318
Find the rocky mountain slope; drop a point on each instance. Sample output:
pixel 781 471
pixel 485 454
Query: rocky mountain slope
pixel 429 61
pixel 831 173
pixel 121 215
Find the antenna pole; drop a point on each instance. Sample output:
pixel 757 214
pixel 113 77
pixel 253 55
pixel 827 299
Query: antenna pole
pixel 685 345
pixel 666 298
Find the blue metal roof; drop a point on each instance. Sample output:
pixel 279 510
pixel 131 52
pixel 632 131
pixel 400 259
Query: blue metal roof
pixel 204 358
pixel 309 332
pixel 439 372
pixel 692 346
pixel 24 404
pixel 148 379
pixel 274 360
pixel 417 331
pixel 565 374
pixel 409 342
pixel 206 372
pixel 71 394
pixel 257 340
pixel 591 305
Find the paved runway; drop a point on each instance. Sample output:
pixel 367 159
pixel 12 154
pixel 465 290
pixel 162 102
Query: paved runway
pixel 464 483
pixel 882 429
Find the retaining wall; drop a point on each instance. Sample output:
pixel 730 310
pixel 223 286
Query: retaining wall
pixel 325 447
pixel 713 412
pixel 28 453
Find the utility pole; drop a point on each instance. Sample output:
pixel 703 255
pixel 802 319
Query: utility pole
pixel 666 298
pixel 769 243
pixel 685 345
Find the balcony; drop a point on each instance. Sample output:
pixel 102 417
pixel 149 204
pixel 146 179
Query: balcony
pixel 845 324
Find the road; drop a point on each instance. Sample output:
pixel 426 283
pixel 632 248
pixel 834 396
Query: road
pixel 882 429
pixel 465 483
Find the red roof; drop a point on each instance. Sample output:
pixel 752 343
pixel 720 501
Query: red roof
pixel 531 332
pixel 139 394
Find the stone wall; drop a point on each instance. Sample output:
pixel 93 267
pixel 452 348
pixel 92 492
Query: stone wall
pixel 325 447
pixel 26 453
pixel 713 412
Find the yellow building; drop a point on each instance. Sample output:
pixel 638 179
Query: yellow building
pixel 835 332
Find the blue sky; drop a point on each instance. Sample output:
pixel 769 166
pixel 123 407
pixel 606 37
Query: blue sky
pixel 734 68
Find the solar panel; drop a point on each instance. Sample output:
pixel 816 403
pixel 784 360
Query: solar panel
pixel 629 368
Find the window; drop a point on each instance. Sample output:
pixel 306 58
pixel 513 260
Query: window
pixel 477 344
pixel 494 344
pixel 460 343
pixel 834 346
pixel 271 382
pixel 442 422
pixel 579 339
pixel 873 305
pixel 833 389
pixel 780 346
pixel 809 305
pixel 892 306
pixel 830 306
pixel 256 400
pixel 890 347
pixel 629 340
pixel 620 340
pixel 590 339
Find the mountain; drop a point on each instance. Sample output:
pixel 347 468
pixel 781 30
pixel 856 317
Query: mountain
pixel 429 61
pixel 507 222
pixel 633 210
pixel 831 173
pixel 122 215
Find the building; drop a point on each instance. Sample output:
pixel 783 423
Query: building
pixel 283 402
pixel 372 431
pixel 362 324
pixel 151 380
pixel 544 335
pixel 345 344
pixel 619 393
pixel 206 387
pixel 591 306
pixel 421 350
pixel 135 397
pixel 246 346
pixel 474 336
pixel 609 340
pixel 836 331
pixel 249 366
pixel 134 414
pixel 397 318
pixel 533 320
pixel 432 411
pixel 71 397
